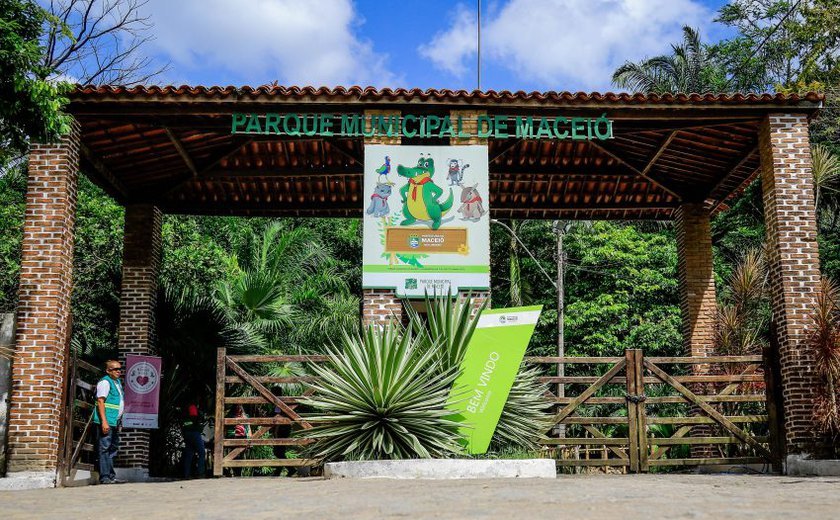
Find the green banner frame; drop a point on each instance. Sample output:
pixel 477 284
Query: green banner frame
pixel 488 371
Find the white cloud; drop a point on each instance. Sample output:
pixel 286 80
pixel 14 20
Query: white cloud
pixel 296 42
pixel 450 48
pixel 567 44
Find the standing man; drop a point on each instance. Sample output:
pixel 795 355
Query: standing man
pixel 107 416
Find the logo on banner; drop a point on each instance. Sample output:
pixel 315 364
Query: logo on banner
pixel 142 378
pixel 413 241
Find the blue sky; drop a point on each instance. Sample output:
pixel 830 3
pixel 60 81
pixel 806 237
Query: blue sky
pixel 526 44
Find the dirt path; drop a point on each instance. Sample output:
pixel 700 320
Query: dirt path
pixel 613 497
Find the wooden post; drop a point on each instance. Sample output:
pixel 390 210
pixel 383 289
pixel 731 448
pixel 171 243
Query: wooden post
pixel 632 405
pixel 641 429
pixel 219 430
pixel 775 412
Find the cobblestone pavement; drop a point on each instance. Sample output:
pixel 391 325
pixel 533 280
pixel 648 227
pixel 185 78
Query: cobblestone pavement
pixel 614 497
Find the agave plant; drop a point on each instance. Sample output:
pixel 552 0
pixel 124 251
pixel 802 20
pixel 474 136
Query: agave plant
pixel 447 329
pixel 382 397
pixel 525 418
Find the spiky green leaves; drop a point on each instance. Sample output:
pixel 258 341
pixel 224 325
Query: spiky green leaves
pixel 382 397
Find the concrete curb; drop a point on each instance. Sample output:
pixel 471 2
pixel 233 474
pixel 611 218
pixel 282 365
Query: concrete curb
pixel 441 469
pixel 19 480
pixel 797 465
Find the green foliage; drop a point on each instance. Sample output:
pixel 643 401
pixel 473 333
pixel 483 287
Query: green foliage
pixel 97 269
pixel 780 42
pixel 12 209
pixel 30 106
pixel 383 396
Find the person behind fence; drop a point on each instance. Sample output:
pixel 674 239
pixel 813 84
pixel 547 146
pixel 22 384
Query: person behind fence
pixel 191 428
pixel 107 416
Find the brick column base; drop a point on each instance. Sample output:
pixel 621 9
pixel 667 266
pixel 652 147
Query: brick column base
pixel 138 298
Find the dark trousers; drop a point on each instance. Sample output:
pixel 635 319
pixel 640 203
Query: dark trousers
pixel 193 446
pixel 109 443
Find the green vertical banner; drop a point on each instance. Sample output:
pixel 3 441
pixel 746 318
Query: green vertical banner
pixel 489 369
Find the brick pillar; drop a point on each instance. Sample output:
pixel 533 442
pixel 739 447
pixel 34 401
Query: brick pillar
pixel 790 220
pixel 43 312
pixel 141 262
pixel 698 304
pixel 379 306
pixel 470 120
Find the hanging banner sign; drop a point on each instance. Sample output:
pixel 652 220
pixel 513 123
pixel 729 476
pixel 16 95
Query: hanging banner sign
pixel 426 219
pixel 488 371
pixel 142 391
pixel 426 126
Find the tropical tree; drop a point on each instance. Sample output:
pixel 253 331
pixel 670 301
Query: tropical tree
pixel 30 105
pixel 687 69
pixel 825 167
pixel 780 43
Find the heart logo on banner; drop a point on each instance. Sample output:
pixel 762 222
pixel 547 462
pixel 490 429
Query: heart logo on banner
pixel 142 380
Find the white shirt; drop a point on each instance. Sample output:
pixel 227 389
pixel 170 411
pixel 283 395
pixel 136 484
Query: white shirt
pixel 103 388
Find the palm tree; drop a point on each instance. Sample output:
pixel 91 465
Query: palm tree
pixel 286 296
pixel 688 69
pixel 826 172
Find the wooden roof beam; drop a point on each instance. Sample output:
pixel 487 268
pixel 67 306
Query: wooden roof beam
pixel 181 151
pixel 731 171
pixel 636 170
pixel 117 189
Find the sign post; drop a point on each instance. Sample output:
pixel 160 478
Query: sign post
pixel 142 391
pixel 488 371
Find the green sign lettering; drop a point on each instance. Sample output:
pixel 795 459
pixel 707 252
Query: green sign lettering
pixel 425 126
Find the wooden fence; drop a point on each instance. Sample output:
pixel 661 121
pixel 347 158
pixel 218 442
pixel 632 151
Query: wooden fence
pixel 632 412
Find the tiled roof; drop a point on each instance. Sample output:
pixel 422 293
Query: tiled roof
pixel 356 93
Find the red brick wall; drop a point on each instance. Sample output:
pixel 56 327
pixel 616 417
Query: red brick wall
pixel 698 305
pixel 790 220
pixel 138 298
pixel 43 314
pixel 379 306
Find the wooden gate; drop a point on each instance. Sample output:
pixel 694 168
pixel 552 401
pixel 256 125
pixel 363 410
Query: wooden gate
pixel 236 386
pixel 639 413
pixel 78 445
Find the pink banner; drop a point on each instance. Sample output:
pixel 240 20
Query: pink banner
pixel 142 391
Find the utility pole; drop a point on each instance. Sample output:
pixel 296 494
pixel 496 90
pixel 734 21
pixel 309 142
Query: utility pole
pixel 561 228
pixel 478 38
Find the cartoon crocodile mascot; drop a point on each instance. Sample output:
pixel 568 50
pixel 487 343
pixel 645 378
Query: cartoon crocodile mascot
pixel 420 195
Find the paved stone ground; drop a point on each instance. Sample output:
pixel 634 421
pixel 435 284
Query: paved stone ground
pixel 613 497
